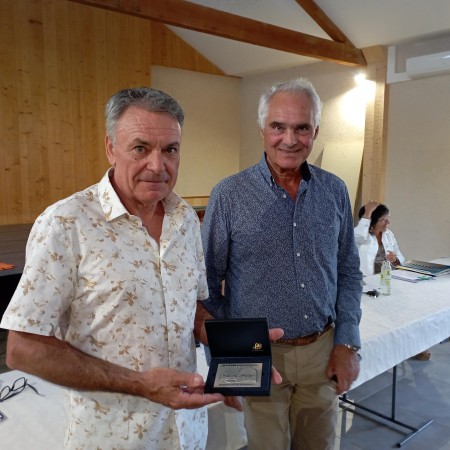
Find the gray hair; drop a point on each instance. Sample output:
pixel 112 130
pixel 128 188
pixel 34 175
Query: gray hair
pixel 299 86
pixel 149 99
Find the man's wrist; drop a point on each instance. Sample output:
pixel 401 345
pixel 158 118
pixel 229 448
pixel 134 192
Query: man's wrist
pixel 352 347
pixel 201 315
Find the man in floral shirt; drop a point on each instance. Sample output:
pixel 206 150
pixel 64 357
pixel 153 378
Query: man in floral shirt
pixel 107 300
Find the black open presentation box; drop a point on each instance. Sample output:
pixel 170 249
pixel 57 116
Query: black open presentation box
pixel 241 357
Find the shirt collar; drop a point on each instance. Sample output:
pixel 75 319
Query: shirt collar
pixel 109 200
pixel 267 174
pixel 114 208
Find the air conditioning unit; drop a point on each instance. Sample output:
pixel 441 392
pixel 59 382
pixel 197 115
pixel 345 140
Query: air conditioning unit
pixel 428 65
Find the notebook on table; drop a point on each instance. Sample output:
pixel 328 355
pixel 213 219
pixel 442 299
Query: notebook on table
pixel 425 267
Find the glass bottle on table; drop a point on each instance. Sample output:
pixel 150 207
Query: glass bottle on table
pixel 385 278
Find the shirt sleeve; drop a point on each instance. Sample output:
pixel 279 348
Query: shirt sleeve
pixel 216 241
pixel 46 288
pixel 362 235
pixel 349 286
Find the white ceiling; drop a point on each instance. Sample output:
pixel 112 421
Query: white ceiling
pixel 364 22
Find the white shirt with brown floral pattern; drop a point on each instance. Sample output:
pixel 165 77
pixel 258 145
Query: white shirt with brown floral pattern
pixel 95 278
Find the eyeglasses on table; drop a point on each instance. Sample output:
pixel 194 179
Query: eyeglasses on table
pixel 17 387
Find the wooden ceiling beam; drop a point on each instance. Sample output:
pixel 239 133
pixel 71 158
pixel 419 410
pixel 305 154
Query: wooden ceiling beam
pixel 324 22
pixel 203 19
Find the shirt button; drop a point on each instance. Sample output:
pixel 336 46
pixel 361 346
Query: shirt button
pixel 306 316
pixel 284 195
pixel 298 254
pixel 295 224
pixel 302 285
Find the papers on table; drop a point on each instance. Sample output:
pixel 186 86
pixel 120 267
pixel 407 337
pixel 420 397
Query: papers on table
pixel 410 276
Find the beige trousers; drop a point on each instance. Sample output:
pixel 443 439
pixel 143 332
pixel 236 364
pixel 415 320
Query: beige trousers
pixel 301 413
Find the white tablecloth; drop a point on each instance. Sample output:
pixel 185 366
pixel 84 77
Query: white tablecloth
pixel 413 318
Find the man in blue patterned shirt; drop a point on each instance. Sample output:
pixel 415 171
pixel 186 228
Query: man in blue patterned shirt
pixel 280 235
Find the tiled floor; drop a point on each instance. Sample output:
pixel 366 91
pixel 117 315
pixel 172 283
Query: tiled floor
pixel 423 393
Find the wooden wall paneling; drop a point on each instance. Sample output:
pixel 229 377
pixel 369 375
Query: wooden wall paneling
pixel 60 63
pixel 20 209
pixel 90 100
pixel 10 199
pixel 113 49
pixel 160 47
pixel 64 14
pixel 78 32
pixel 170 50
pixel 39 150
pixel 99 66
pixel 159 44
pixel 128 63
pixel 145 51
pixel 52 105
pixel 124 67
pixel 101 87
pixel 5 98
pixel 112 45
pixel 131 66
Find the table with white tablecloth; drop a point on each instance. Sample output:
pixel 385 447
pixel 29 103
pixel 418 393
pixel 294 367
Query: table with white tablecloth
pixel 412 319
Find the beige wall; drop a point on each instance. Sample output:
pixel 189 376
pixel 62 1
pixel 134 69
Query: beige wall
pixel 418 166
pixel 210 143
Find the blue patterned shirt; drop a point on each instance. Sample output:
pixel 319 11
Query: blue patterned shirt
pixel 294 263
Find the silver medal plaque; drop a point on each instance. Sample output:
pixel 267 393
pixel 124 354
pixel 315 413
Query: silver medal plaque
pixel 238 375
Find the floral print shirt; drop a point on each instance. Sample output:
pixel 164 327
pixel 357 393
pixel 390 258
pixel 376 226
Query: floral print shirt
pixel 95 278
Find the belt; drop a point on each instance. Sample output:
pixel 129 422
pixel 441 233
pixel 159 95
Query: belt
pixel 305 340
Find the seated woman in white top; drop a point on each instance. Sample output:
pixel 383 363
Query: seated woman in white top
pixel 375 242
